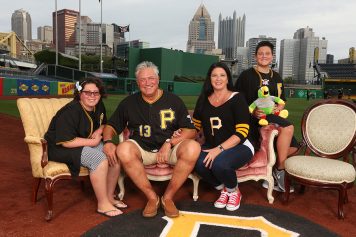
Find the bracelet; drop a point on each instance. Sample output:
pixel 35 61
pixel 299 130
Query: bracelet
pixel 108 141
pixel 221 148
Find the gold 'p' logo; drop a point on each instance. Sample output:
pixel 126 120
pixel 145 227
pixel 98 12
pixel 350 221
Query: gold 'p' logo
pixel 215 122
pixel 188 224
pixel 166 115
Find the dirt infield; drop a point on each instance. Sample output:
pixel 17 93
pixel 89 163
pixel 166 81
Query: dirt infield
pixel 74 209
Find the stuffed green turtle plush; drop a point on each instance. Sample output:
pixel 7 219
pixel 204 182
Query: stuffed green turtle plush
pixel 266 103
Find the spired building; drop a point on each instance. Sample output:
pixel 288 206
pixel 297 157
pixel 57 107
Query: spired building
pixel 21 24
pixel 201 32
pixel 231 35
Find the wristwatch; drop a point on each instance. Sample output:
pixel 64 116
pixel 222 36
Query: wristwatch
pixel 221 148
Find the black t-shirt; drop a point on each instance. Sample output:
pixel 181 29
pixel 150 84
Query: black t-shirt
pixel 70 122
pixel 150 124
pixel 220 123
pixel 251 80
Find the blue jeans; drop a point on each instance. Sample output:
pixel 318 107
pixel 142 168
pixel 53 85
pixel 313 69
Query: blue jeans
pixel 223 170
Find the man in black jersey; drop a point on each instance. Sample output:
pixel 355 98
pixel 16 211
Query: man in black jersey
pixel 152 115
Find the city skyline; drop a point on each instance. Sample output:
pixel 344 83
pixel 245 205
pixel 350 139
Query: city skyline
pixel 164 23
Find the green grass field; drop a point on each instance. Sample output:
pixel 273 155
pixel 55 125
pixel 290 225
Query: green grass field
pixel 295 107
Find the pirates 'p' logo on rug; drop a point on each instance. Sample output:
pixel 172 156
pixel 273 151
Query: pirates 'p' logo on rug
pixel 188 224
pixel 202 219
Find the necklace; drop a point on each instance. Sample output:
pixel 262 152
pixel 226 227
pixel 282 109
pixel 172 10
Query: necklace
pixel 260 76
pixel 219 99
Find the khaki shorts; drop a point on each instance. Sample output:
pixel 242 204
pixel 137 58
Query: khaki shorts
pixel 149 158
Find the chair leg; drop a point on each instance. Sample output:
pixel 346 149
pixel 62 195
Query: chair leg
pixel 121 184
pixel 346 197
pixel 49 194
pixel 270 197
pixel 195 180
pixel 36 185
pixel 302 189
pixel 342 194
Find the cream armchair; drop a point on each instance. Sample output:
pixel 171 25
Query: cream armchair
pixel 36 115
pixel 329 132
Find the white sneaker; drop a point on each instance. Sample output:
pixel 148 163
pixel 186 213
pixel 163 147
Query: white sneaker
pixel 276 188
pixel 278 176
pixel 222 200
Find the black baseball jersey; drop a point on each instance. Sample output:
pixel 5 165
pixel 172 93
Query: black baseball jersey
pixel 220 123
pixel 150 124
pixel 70 122
pixel 251 80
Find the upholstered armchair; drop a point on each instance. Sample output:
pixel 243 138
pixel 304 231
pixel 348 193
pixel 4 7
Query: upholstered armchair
pixel 36 115
pixel 329 133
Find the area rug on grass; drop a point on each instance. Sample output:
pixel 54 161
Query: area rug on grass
pixel 202 219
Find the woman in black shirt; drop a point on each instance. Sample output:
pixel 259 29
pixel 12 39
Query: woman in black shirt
pixel 74 138
pixel 223 116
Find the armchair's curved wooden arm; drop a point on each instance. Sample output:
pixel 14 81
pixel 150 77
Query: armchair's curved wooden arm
pixel 44 160
pixel 271 155
pixel 32 140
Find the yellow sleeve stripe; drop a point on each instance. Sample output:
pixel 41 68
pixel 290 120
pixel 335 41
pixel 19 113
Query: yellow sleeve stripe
pixel 196 121
pixel 242 132
pixel 197 126
pixel 242 125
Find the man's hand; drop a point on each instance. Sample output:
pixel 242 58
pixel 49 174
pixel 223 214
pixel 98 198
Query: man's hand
pixel 278 108
pixel 110 152
pixel 258 113
pixel 163 153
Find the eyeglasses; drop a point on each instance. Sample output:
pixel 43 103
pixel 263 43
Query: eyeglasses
pixel 91 93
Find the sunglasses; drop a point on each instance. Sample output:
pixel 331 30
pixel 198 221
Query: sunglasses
pixel 91 93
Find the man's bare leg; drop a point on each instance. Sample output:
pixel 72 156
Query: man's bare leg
pixel 130 158
pixel 187 155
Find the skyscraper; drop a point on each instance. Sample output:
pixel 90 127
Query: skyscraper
pixel 286 58
pixel 201 32
pixel 66 28
pixel 252 44
pixel 308 51
pixel 231 35
pixel 21 24
pixel 45 33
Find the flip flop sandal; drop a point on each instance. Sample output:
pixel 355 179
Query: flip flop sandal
pixel 120 204
pixel 105 213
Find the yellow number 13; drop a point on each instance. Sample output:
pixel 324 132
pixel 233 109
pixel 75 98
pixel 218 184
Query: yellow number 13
pixel 145 130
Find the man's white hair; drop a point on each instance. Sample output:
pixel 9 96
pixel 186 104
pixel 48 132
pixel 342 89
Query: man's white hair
pixel 146 64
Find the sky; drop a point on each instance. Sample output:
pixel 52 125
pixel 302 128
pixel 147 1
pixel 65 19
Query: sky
pixel 165 23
